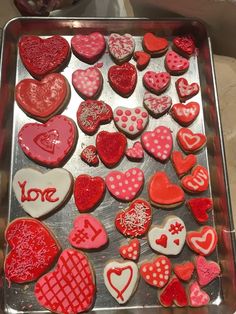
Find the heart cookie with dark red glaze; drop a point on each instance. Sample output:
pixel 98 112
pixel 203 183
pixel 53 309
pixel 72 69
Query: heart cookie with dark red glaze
pixel 184 45
pixel 175 64
pixel 190 142
pixel 156 82
pixel 186 90
pixel 199 208
pixel 197 181
pixel 184 271
pixel 185 114
pixel 89 155
pixel 154 45
pixel 181 163
pixel 142 58
pixel 173 293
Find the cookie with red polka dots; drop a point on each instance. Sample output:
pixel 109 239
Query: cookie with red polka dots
pixel 175 64
pixel 131 121
pixel 131 250
pixel 156 82
pixel 136 152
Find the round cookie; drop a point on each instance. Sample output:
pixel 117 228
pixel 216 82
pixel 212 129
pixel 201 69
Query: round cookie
pixel 121 47
pixel 154 45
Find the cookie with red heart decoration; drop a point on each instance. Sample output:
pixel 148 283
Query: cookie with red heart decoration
pixel 185 114
pixel 173 293
pixel 33 250
pixel 142 59
pixel 43 99
pixel 88 48
pixel 197 181
pixel 168 238
pixel 182 164
pixel 123 78
pixel 184 45
pixel 111 147
pixel 70 288
pixel 197 297
pixel 184 271
pixel 91 114
pixel 199 208
pixel 88 83
pixel 131 250
pixel 207 271
pixel 89 155
pixel 156 272
pixel 158 143
pixel 203 241
pixel 185 90
pixel 190 142
pixel 156 105
pixel 163 193
pixel 175 64
pixel 43 56
pixel 125 185
pixel 154 45
pixel 49 144
pixel 131 121
pixel 87 233
pixel 135 153
pixel 135 220
pixel 156 82
pixel 121 47
pixel 121 279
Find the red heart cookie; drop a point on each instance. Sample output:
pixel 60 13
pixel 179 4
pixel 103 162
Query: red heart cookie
pixel 203 241
pixel 87 233
pixel 156 105
pixel 156 82
pixel 88 48
pixel 184 45
pixel 197 297
pixel 163 193
pixel 142 58
pixel 34 249
pixel 135 152
pixel 92 113
pixel 173 293
pixel 89 155
pixel 181 163
pixel 88 83
pixel 88 192
pixel 184 271
pixel 186 90
pixel 175 64
pixel 42 99
pixel 157 272
pixel 197 182
pixel 70 288
pixel 121 47
pixel 190 142
pixel 51 143
pixel 185 114
pixel 130 251
pixel 156 46
pixel 111 147
pixel 123 78
pixel 207 271
pixel 135 220
pixel 43 56
pixel 199 208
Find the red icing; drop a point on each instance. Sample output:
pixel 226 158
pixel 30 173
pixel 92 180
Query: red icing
pixel 185 114
pixel 88 192
pixel 162 241
pixel 135 152
pixel 130 251
pixel 156 82
pixel 181 163
pixel 186 90
pixel 89 155
pixel 33 250
pixel 198 181
pixel 190 142
pixel 184 271
pixel 199 208
pixel 175 64
pixel 207 271
pixel 142 58
pixel 154 44
pixel 174 292
pixel 185 45
pixel 34 193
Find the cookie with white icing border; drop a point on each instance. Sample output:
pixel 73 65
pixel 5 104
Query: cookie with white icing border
pixel 121 47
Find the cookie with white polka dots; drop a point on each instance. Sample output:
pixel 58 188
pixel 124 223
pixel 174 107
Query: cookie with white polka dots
pixel 136 152
pixel 158 143
pixel 125 186
pixel 131 121
pixel 88 83
pixel 130 251
pixel 157 272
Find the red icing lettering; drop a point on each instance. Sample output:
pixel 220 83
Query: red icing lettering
pixel 33 194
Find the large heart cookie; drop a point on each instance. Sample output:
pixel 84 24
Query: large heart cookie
pixel 40 193
pixel 184 45
pixel 156 82
pixel 175 64
pixel 154 45
pixel 186 90
pixel 43 56
pixel 34 249
pixel 190 142
pixel 121 47
pixel 70 288
pixel 197 181
pixel 185 114
pixel 207 271
pixel 197 297
pixel 199 208
pixel 156 105
pixel 49 144
pixel 181 163
pixel 173 293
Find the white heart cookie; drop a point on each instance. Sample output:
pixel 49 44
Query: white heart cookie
pixel 40 193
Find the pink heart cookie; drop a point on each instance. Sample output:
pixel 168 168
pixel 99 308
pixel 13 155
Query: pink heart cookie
pixel 125 186
pixel 156 82
pixel 130 251
pixel 156 105
pixel 175 64
pixel 121 47
pixel 88 83
pixel 48 144
pixel 186 90
pixel 197 296
pixel 207 271
pixel 158 142
pixel 131 121
pixel 135 152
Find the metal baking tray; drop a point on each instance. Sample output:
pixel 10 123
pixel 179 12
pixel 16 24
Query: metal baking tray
pixel 20 298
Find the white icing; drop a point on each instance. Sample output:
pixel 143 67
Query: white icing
pixel 156 104
pixel 121 47
pixel 202 239
pixel 188 137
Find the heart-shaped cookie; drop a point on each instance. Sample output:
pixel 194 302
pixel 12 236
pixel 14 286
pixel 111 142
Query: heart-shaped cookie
pixel 199 208
pixel 185 114
pixel 88 48
pixel 43 99
pixel 184 45
pixel 130 251
pixel 190 142
pixel 40 193
pixel 111 147
pixel 70 287
pixel 158 143
pixel 89 155
pixel 197 297
pixel 88 192
pixel 203 241
pixel 156 82
pixel 135 220
pixel 163 193
pixel 121 279
pixel 181 163
pixel 184 271
pixel 125 186
pixel 131 121
pixel 154 45
pixel 157 272
pixel 135 152
pixel 34 249
pixel 43 56
pixel 156 105
pixel 168 239
pixel 123 78
pixel 88 83
pixel 87 233
pixel 92 113
pixel 186 90
pixel 207 271
pixel 49 144
pixel 121 47
pixel 197 181
pixel 142 59
pixel 173 293
pixel 175 64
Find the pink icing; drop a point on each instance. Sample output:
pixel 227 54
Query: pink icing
pixel 121 47
pixel 206 270
pixel 135 152
pixel 157 82
pixel 186 90
pixel 176 63
pixel 197 296
pixel 157 105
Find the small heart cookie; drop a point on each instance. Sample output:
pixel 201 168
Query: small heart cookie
pixel 89 155
pixel 186 90
pixel 184 45
pixel 181 163
pixel 199 208
pixel 173 293
pixel 185 114
pixel 154 45
pixel 207 271
pixel 175 64
pixel 184 271
pixel 156 82
pixel 156 105
pixel 197 181
pixel 190 142
pixel 121 47
pixel 135 153
pixel 142 58
pixel 130 251
pixel 197 297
